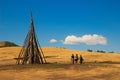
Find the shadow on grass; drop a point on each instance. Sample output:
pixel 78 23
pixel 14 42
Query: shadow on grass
pixel 84 66
pixel 110 62
pixel 51 56
pixel 30 66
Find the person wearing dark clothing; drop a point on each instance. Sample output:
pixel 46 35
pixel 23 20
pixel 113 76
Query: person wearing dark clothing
pixel 72 58
pixel 76 58
pixel 81 59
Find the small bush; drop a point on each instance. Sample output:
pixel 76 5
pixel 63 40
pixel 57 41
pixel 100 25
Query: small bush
pixel 101 51
pixel 111 52
pixel 89 50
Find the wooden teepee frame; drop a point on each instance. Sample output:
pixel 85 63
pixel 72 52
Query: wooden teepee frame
pixel 31 52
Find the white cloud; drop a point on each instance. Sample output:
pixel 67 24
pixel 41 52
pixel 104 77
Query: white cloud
pixel 86 39
pixel 53 41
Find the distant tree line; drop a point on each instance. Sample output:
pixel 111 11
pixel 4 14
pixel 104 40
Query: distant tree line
pixel 61 47
pixel 89 50
pixel 100 51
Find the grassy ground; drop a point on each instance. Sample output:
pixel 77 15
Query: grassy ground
pixel 86 71
pixel 97 66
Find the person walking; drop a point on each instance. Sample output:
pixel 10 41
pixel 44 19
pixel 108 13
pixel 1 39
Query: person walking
pixel 76 58
pixel 81 59
pixel 72 58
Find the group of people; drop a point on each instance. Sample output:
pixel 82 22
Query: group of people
pixel 75 59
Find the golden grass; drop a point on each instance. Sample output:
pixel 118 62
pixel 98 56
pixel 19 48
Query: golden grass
pixel 61 67
pixel 61 55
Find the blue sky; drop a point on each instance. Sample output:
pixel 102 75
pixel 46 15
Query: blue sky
pixel 73 24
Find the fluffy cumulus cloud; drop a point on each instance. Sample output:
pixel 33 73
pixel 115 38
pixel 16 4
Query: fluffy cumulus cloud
pixel 86 39
pixel 53 41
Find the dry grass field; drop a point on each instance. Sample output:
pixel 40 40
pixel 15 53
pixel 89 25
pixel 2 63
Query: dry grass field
pixel 97 66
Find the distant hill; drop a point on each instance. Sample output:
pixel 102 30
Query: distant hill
pixel 7 44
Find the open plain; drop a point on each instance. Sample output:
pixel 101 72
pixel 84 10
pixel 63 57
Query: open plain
pixel 96 66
